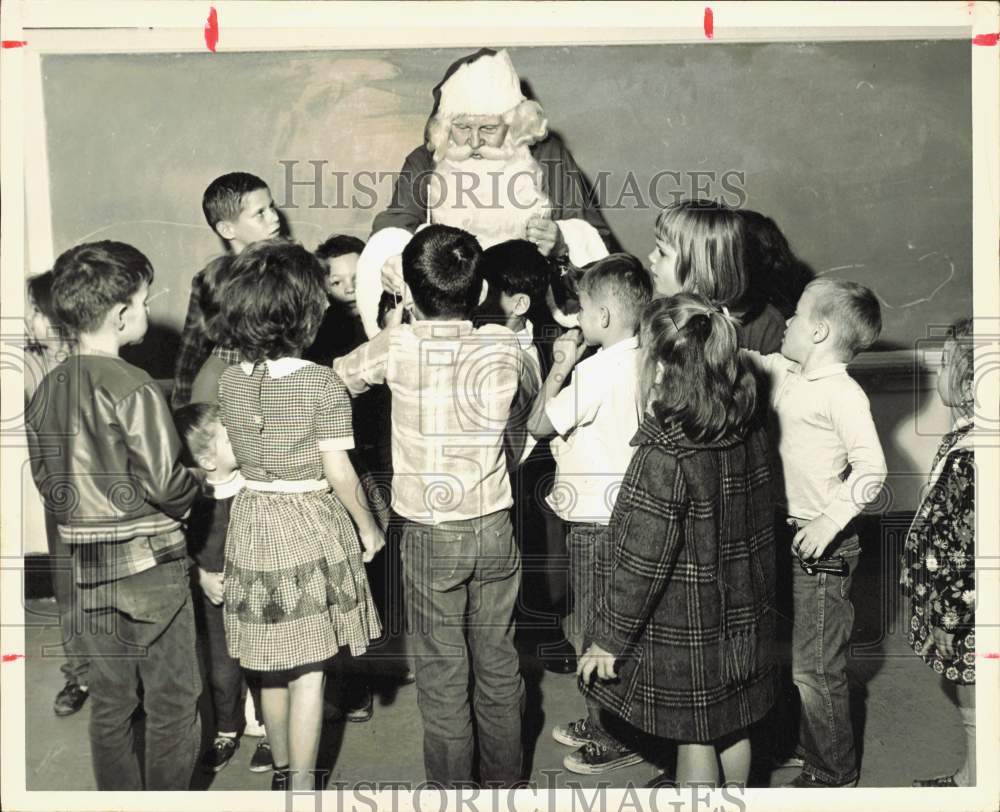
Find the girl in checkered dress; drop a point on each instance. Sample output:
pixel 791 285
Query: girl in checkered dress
pixel 683 624
pixel 295 589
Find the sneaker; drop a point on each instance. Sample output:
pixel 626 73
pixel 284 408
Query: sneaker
pixel 223 749
pixel 261 761
pixel 806 780
pixel 600 756
pixel 281 780
pixel 409 677
pixel 70 699
pixel 575 734
pixel 779 763
pixel 361 710
pixel 937 781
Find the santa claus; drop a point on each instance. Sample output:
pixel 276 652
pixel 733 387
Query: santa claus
pixel 489 166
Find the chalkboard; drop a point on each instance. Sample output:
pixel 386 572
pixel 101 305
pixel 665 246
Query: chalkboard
pixel 861 151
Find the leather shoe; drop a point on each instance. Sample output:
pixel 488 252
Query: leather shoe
pixel 559 658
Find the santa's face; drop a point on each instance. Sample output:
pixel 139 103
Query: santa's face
pixel 476 132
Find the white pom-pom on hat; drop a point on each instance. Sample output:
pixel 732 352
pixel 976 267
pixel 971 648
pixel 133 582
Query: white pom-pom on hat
pixel 487 87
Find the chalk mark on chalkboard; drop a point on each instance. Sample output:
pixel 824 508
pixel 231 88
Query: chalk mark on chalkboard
pixel 86 237
pixel 929 297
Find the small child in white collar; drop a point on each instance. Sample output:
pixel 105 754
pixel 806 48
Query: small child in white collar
pixel 208 445
pixel 831 467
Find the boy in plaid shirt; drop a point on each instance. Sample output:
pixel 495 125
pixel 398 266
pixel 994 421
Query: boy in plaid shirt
pixel 454 388
pixel 239 208
pixel 105 457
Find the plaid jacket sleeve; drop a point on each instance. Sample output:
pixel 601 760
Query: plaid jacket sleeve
pixel 647 533
pixel 194 349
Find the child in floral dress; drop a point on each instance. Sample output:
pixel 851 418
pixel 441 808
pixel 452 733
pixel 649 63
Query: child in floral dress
pixel 294 587
pixel 938 562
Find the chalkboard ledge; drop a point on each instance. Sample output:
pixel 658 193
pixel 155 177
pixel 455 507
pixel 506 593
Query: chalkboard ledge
pixel 896 370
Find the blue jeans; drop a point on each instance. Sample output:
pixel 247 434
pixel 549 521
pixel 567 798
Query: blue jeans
pixel 148 641
pixel 461 580
pixel 821 630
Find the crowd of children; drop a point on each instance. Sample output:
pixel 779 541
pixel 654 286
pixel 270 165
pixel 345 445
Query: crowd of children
pixel 698 453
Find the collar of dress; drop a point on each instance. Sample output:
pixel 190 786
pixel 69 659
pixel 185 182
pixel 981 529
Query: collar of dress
pixel 278 367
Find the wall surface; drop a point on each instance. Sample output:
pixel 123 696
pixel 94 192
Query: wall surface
pixel 861 151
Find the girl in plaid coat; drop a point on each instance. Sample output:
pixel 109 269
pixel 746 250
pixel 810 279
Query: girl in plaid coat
pixel 683 623
pixel 294 586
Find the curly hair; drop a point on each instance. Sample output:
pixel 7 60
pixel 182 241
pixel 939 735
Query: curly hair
pixel 526 124
pixel 692 372
pixel 271 300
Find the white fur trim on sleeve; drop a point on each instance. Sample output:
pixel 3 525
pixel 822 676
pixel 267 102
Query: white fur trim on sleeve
pixel 384 244
pixel 583 241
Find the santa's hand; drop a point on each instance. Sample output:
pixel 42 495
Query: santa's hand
pixel 546 235
pixel 392 275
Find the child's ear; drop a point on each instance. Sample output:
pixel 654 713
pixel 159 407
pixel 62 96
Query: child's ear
pixel 205 462
pixel 484 291
pixel 225 229
pixel 821 332
pixel 522 304
pixel 120 311
pixel 605 317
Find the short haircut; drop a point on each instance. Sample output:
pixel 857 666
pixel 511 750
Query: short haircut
pixel 710 241
pixel 516 266
pixel 90 279
pixel 223 199
pixel 852 309
pixel 40 294
pixel 622 282
pixel 197 424
pixel 961 365
pixel 271 300
pixel 692 371
pixel 441 267
pixel 339 245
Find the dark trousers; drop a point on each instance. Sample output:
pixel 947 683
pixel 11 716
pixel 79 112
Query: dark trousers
pixel 153 648
pixel 461 581
pixel 225 677
pixel 75 667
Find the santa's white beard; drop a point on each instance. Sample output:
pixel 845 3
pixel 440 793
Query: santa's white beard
pixel 492 197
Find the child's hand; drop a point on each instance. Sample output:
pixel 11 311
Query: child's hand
pixel 812 540
pixel 211 585
pixel 568 349
pixel 372 540
pixel 941 640
pixel 596 659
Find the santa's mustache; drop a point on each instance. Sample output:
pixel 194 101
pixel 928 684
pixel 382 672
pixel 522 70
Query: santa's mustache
pixel 464 152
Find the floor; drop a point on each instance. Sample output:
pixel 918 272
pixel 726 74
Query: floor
pixel 905 725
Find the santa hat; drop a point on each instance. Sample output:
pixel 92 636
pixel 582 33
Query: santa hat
pixel 487 87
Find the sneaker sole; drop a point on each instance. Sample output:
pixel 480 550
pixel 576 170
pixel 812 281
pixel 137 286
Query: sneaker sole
pixel 567 739
pixel 594 769
pixel 221 767
pixel 261 769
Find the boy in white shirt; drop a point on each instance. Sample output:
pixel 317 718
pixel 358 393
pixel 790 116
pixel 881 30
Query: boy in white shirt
pixel 595 417
pixel 832 465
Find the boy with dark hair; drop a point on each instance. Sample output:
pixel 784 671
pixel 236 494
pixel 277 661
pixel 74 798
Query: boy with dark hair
pixel 591 421
pixel 451 487
pixel 239 209
pixel 105 435
pixel 831 464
